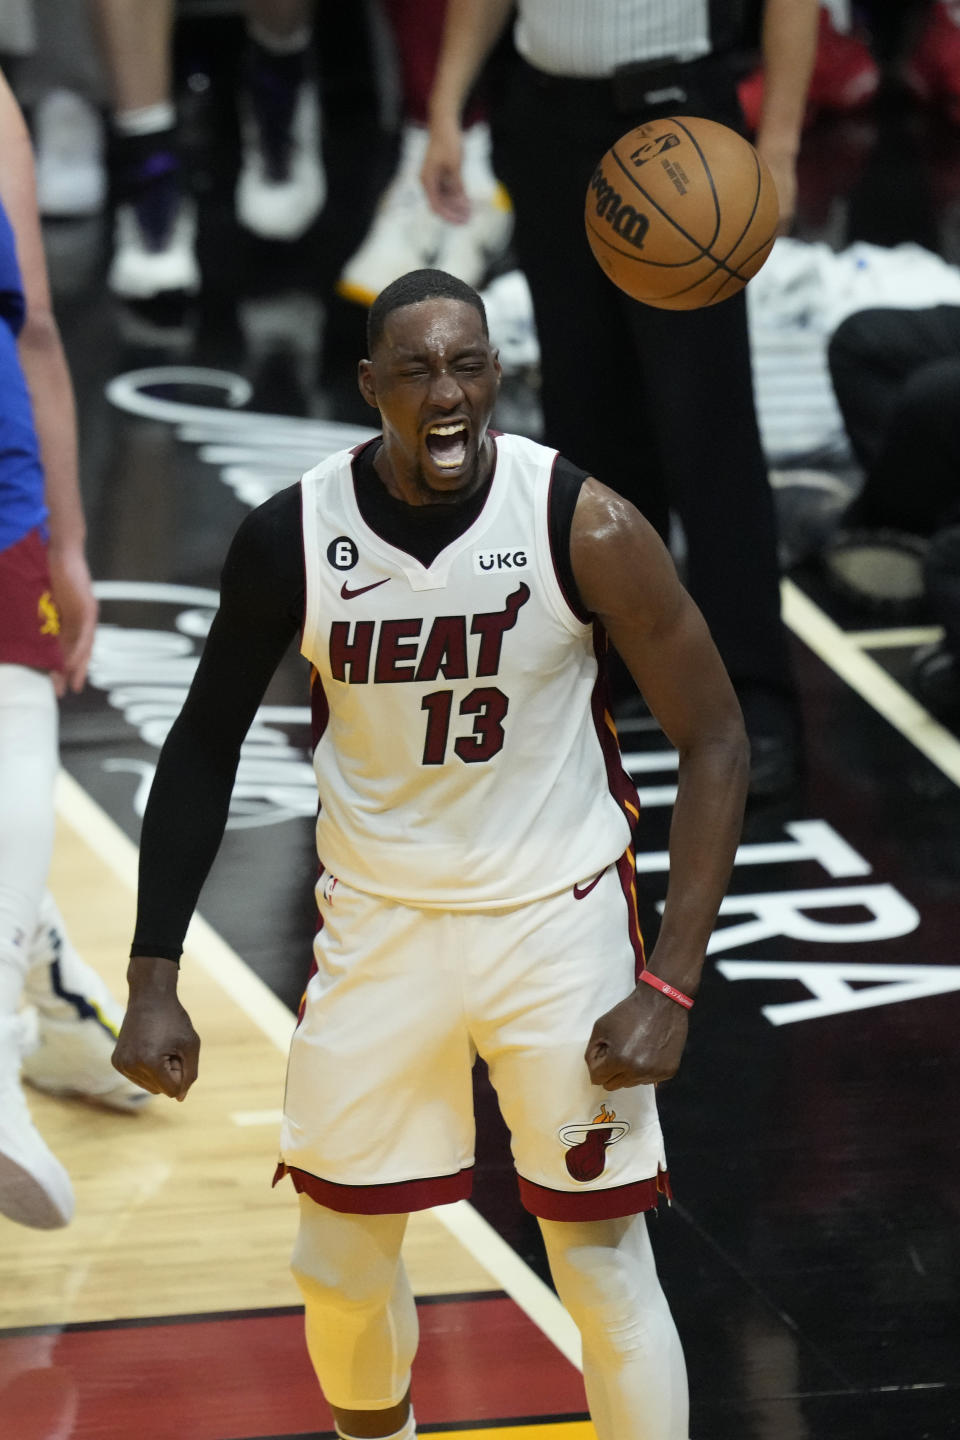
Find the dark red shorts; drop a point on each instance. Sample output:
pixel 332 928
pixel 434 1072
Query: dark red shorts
pixel 29 622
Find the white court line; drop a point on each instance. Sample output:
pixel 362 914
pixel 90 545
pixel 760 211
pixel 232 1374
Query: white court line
pixel 896 639
pixel 862 673
pixel 271 1016
pixel 531 1293
pixel 213 954
pixel 249 1118
pixel 653 796
pixel 648 762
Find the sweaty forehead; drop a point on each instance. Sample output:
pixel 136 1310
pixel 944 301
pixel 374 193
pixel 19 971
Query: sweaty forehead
pixel 433 326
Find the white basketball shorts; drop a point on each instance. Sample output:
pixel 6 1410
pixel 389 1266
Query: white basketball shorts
pixel 378 1114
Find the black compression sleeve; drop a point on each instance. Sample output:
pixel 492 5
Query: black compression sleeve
pixel 261 609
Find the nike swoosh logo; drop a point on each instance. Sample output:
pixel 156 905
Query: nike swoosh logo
pixel 346 594
pixel 580 892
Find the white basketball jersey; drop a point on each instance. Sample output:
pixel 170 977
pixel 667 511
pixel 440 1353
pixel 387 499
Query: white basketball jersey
pixel 462 754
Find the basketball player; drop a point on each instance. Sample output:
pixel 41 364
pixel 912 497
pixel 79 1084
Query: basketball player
pixel 659 401
pixel 62 1041
pixel 453 590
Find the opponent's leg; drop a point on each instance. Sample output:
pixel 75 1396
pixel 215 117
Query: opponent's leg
pixel 28 767
pixel 361 1320
pixel 154 250
pixel 633 1363
pixel 78 1021
pixel 282 186
pixel 34 1187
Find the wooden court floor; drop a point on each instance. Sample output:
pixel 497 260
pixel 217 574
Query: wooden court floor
pixel 174 1270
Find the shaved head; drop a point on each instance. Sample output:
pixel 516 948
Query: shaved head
pixel 413 287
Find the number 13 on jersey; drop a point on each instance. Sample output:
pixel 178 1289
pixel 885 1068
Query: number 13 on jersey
pixel 487 705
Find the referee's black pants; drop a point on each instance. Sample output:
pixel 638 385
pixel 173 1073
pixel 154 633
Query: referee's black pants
pixel 656 404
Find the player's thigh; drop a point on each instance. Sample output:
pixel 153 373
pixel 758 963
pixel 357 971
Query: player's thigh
pixel 28 767
pixel 568 960
pixel 378 1084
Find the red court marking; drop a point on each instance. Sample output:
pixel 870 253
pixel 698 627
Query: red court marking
pixel 234 1378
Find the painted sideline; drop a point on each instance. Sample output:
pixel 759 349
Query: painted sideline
pixel 871 682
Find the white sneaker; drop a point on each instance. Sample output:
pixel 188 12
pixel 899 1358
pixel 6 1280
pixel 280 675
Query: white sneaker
pixel 282 185
pixel 78 1021
pixel 35 1189
pixel 69 146
pixel 468 250
pixel 513 331
pixel 142 268
pixel 405 233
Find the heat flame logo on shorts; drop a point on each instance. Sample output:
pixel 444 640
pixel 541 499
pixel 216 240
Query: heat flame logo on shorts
pixel 587 1144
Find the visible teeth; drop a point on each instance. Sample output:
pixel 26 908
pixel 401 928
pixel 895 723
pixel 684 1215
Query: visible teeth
pixel 448 456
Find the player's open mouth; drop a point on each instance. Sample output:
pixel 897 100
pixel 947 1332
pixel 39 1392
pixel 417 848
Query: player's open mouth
pixel 448 444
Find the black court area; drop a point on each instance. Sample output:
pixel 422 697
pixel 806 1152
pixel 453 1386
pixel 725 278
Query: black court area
pixel 811 1256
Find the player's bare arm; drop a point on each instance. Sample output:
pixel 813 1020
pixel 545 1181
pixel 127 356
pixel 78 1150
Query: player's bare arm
pixel 51 396
pixel 627 579
pixel 471 29
pixel 789 45
pixel 158 1048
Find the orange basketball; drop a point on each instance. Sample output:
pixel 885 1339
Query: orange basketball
pixel 681 212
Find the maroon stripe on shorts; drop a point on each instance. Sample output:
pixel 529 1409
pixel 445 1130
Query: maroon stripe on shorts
pixel 612 1204
pixel 29 622
pixel 395 1199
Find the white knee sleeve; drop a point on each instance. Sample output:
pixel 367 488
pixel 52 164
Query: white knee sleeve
pixel 28 768
pixel 633 1365
pixel 361 1320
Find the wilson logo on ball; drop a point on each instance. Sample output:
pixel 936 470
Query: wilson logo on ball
pixel 630 224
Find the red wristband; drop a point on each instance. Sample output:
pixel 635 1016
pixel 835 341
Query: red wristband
pixel 667 990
